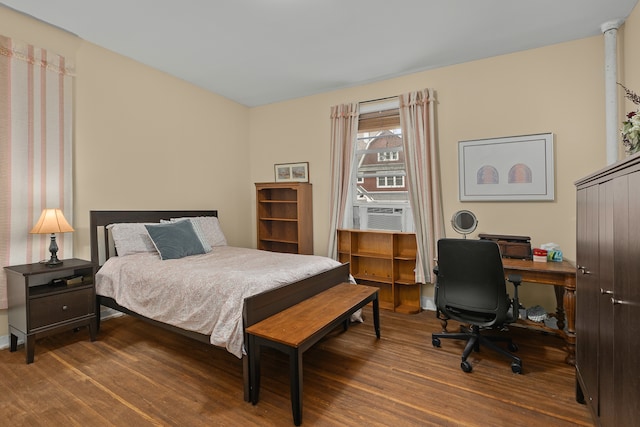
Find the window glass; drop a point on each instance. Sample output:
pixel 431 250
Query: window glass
pixel 379 186
pixel 380 167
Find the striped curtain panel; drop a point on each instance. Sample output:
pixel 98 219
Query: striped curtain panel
pixel 36 101
pixel 344 131
pixel 417 120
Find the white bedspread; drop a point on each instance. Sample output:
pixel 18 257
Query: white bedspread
pixel 203 293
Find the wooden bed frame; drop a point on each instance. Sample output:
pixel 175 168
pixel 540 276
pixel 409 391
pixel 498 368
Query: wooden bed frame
pixel 255 308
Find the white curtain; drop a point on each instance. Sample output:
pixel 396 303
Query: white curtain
pixel 35 151
pixel 344 131
pixel 423 173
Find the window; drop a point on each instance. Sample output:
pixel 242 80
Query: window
pixel 379 158
pixel 379 170
pixel 391 181
pixel 388 156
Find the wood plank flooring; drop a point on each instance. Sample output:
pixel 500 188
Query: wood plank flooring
pixel 138 375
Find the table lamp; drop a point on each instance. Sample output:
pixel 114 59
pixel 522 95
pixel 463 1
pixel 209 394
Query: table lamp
pixel 52 221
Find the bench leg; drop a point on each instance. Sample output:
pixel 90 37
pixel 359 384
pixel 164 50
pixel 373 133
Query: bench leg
pixel 376 316
pixel 295 376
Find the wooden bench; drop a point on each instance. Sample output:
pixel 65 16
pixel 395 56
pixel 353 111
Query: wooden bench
pixel 297 328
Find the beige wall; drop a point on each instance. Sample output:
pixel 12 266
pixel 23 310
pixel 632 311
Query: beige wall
pixel 145 140
pixel 555 89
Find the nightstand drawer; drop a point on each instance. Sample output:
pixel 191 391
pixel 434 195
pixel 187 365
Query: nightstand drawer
pixel 52 309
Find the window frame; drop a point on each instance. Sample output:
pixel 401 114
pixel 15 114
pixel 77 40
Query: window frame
pixel 372 122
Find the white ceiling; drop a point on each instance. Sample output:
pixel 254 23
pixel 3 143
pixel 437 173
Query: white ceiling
pixel 258 52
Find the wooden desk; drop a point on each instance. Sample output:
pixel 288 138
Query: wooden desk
pixel 562 275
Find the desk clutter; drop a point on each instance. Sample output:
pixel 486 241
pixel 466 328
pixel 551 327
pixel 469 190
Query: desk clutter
pixel 553 252
pixel 511 246
pixel 539 255
pixel 547 252
pixel 519 247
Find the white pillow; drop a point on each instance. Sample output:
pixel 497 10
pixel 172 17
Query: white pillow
pixel 131 238
pixel 210 228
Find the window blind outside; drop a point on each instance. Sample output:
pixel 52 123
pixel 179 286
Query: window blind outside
pixel 379 120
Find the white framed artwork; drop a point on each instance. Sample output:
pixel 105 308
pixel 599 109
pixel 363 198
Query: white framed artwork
pixel 515 168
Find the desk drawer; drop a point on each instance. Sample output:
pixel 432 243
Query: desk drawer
pixel 57 308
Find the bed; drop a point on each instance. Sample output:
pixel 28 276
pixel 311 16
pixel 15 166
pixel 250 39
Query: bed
pixel 255 300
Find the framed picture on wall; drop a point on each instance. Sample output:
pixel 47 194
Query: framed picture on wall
pixel 292 172
pixel 515 168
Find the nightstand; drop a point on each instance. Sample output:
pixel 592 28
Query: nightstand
pixel 41 302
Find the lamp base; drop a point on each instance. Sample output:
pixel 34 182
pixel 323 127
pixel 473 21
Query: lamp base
pixel 52 262
pixel 53 248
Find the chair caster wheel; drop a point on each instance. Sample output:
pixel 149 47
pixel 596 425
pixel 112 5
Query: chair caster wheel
pixel 435 342
pixel 512 347
pixel 466 366
pixel 516 368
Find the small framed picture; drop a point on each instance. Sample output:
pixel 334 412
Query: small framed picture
pixel 292 172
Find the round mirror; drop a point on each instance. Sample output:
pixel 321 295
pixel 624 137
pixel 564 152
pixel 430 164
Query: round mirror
pixel 464 222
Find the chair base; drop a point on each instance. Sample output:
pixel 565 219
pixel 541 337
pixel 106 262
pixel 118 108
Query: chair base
pixel 474 341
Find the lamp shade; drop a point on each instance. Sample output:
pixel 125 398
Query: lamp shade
pixel 51 221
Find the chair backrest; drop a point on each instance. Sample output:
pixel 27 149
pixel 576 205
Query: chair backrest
pixel 471 284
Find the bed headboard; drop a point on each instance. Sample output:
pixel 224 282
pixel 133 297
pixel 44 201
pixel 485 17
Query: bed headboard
pixel 101 247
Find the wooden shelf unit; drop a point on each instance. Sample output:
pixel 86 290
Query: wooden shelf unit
pixel 385 259
pixel 284 217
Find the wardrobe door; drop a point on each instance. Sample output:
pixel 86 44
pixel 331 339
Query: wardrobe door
pixel 587 293
pixel 625 303
pixel 609 212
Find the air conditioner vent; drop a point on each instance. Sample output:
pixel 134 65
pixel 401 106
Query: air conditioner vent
pixel 388 211
pixel 392 218
pixel 384 218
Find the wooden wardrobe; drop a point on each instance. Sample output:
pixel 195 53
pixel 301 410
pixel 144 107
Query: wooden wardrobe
pixel 608 293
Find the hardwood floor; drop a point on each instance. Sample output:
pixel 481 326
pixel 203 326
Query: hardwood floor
pixel 139 375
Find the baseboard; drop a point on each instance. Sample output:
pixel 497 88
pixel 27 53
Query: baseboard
pixel 107 313
pixel 428 303
pixel 4 342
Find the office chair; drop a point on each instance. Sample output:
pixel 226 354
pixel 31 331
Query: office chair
pixel 471 288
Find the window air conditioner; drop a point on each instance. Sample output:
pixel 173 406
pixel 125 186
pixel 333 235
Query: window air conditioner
pixel 390 218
